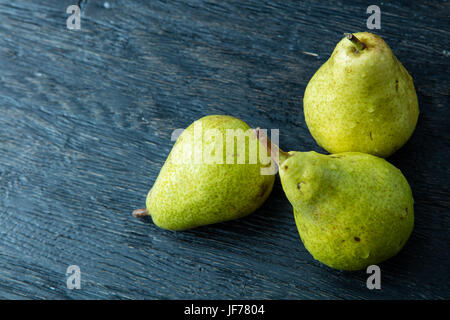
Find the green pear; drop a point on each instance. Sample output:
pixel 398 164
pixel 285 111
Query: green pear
pixel 214 173
pixel 352 209
pixel 362 99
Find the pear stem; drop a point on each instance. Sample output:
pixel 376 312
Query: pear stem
pixel 140 213
pixel 277 155
pixel 356 42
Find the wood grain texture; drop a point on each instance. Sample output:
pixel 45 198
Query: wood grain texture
pixel 85 124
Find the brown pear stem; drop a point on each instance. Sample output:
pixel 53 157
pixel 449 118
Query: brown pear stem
pixel 277 155
pixel 356 42
pixel 140 213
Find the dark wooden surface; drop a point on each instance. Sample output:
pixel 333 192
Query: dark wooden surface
pixel 85 124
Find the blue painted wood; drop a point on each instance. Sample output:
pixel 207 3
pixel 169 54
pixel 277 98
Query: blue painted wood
pixel 85 124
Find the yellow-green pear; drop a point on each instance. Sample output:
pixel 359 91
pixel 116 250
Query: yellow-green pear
pixel 214 173
pixel 362 99
pixel 352 209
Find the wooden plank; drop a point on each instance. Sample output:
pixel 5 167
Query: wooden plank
pixel 85 125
